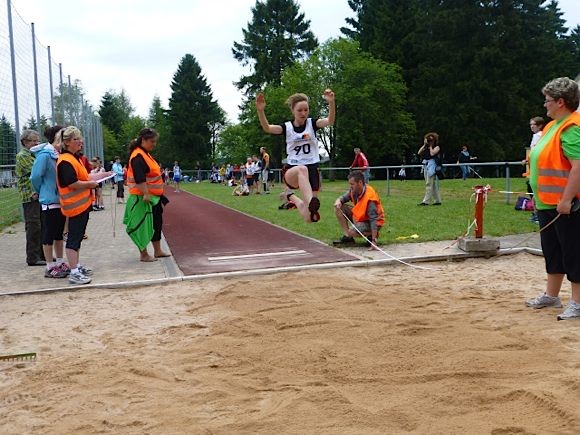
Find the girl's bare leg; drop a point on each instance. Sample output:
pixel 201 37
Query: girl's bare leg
pixel 298 176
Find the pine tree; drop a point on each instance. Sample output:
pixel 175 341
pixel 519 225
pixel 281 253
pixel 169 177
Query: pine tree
pixel 277 36
pixel 8 147
pixel 192 110
pixel 157 120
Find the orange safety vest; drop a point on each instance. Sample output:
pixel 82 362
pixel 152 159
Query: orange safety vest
pixel 359 211
pixel 153 177
pixel 553 166
pixel 74 201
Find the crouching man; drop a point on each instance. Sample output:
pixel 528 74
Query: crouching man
pixel 366 212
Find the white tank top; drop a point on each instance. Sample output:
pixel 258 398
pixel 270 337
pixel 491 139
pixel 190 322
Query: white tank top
pixel 301 148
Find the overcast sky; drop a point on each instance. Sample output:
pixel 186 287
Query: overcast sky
pixel 136 45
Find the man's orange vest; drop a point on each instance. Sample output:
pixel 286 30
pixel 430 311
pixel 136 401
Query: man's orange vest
pixel 553 166
pixel 359 211
pixel 153 177
pixel 74 201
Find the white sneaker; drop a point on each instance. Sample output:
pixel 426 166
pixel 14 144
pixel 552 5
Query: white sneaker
pixel 543 301
pixel 78 278
pixel 572 311
pixel 86 271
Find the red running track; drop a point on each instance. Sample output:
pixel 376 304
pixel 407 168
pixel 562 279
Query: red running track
pixel 206 237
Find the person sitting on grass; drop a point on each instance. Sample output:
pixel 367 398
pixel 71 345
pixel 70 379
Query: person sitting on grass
pixel 301 171
pixel 366 213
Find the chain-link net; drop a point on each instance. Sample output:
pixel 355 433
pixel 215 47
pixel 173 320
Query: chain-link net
pixel 35 93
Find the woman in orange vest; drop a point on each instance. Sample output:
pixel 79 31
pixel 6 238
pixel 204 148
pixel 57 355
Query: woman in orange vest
pixel 76 198
pixel 366 214
pixel 555 180
pixel 145 187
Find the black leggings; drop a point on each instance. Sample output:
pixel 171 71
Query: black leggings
pixel 77 225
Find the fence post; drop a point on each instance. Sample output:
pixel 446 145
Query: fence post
pixel 14 85
pixel 51 87
pixel 71 120
pixel 388 182
pixel 36 97
pixel 507 183
pixel 61 88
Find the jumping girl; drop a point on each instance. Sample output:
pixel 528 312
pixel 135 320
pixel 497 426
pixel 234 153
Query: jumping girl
pixel 301 171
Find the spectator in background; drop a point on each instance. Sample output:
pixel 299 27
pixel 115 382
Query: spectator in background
pixel 119 179
pixel 536 126
pixel 74 189
pixel 402 173
pixel 361 163
pixel 257 173
pixel 265 169
pixel 464 158
pixel 176 175
pixel 250 174
pixel 29 199
pixel 85 162
pixel 429 153
pixel 97 168
pixel 43 180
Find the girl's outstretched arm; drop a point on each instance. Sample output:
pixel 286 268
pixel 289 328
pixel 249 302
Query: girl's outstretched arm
pixel 324 122
pixel 260 106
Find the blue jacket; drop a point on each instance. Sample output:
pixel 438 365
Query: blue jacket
pixel 43 175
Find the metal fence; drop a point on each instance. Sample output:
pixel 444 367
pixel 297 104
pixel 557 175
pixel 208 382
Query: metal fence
pixel 35 92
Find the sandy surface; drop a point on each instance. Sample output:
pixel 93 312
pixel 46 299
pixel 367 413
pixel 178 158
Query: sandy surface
pixel 377 350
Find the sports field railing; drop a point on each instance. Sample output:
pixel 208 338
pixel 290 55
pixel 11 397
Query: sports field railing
pixel 35 92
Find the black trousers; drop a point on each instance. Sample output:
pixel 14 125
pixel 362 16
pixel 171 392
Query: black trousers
pixel 120 189
pixel 33 228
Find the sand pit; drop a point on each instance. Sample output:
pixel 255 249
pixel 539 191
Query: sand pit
pixel 378 350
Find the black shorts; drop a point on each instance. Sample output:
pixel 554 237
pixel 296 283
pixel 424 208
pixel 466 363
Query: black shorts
pixel 257 177
pixel 560 243
pixel 313 176
pixel 52 225
pixel 250 180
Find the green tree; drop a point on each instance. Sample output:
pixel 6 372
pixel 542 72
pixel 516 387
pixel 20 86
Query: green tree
pixel 111 146
pixel 69 104
pixel 192 110
pixel 32 125
pixel 233 144
pixel 115 110
pixel 277 36
pixel 158 120
pixel 474 68
pixel 367 90
pixel 8 147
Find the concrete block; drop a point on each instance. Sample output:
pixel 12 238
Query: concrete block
pixel 470 244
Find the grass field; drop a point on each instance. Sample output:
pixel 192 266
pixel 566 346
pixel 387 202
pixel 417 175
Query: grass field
pixel 9 207
pixel 404 217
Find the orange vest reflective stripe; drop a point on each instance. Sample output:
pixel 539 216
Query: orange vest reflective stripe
pixel 553 166
pixel 74 201
pixel 359 211
pixel 153 177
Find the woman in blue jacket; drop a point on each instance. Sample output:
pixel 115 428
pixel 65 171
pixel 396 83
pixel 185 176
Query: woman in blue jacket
pixel 43 178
